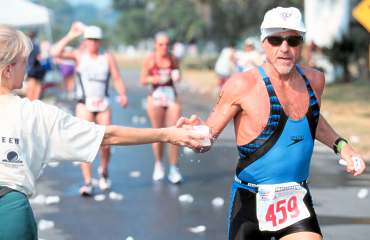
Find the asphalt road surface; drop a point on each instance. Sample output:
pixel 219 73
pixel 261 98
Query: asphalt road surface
pixel 152 211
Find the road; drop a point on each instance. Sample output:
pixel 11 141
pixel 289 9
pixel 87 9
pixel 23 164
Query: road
pixel 152 211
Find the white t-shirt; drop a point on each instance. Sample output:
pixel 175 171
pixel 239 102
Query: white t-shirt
pixel 33 134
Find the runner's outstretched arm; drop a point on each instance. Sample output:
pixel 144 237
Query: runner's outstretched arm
pixel 58 48
pixel 226 108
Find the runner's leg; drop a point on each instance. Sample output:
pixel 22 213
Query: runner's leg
pixel 104 118
pixel 302 236
pixel 83 113
pixel 173 113
pixel 157 118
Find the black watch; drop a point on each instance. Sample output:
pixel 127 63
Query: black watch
pixel 337 146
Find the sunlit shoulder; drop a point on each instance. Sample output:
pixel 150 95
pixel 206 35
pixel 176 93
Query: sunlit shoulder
pixel 242 83
pixel 316 78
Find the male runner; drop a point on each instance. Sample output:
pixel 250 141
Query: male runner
pixel 276 113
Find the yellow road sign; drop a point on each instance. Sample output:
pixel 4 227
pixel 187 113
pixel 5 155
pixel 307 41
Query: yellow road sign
pixel 362 13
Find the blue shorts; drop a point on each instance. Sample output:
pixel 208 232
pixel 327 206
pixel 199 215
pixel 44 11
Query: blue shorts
pixel 16 217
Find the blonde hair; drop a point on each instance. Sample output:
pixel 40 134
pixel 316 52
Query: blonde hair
pixel 161 34
pixel 13 44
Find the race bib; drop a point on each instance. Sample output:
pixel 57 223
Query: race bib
pixel 97 104
pixel 164 75
pixel 164 96
pixel 280 205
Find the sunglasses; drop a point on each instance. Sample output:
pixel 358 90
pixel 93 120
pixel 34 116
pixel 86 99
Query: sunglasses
pixel 293 41
pixel 94 39
pixel 163 44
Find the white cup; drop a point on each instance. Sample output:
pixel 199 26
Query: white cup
pixel 175 75
pixel 204 131
pixel 356 162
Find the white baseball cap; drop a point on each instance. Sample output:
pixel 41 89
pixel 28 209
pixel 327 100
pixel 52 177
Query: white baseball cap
pixel 249 41
pixel 93 32
pixel 282 19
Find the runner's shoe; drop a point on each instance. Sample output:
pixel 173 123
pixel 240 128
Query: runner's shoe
pixel 174 175
pixel 87 190
pixel 158 172
pixel 104 182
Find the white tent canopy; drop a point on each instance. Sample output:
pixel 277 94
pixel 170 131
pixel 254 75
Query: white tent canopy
pixel 22 13
pixel 326 21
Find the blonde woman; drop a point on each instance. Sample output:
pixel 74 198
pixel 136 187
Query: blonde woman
pixel 33 133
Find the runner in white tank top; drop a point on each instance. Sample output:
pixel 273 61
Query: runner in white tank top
pixel 93 70
pixel 93 81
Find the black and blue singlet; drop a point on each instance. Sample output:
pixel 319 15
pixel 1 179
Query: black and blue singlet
pixel 281 153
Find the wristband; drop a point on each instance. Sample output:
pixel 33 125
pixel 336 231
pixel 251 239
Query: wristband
pixel 339 144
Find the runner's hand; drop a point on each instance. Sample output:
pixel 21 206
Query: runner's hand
pixel 122 100
pixel 183 137
pixel 156 80
pixel 77 29
pixel 189 122
pixel 354 162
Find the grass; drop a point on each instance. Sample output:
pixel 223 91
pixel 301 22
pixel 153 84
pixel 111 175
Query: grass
pixel 345 106
pixel 203 80
pixel 129 62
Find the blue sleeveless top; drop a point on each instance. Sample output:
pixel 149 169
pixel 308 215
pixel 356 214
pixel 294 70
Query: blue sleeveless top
pixel 282 152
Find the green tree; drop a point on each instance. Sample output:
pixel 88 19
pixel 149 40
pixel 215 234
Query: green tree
pixel 63 14
pixel 221 21
pixel 133 25
pixel 231 20
pixel 141 19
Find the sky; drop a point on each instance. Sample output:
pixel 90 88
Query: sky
pixel 97 3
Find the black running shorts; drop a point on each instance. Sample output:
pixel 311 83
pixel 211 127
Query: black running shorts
pixel 243 223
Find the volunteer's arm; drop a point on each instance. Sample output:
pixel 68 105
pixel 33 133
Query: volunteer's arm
pixel 117 135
